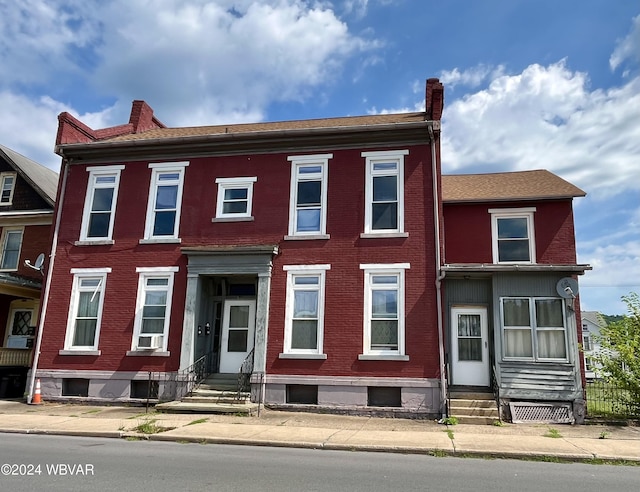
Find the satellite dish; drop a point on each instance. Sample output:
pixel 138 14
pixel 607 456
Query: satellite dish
pixel 567 287
pixel 39 261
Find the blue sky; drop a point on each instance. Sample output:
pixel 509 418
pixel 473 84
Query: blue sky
pixel 528 85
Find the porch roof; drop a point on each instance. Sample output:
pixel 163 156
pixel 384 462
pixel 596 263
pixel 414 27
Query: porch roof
pixel 468 268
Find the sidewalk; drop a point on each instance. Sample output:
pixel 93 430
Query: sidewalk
pixel 309 430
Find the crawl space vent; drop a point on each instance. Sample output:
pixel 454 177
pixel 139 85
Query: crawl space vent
pixel 555 413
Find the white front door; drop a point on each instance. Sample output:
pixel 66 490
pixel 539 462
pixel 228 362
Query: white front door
pixel 238 326
pixel 469 347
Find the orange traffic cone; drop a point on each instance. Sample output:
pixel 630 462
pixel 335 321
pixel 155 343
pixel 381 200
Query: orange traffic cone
pixel 37 399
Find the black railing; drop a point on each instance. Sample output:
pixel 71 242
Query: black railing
pixel 495 388
pixel 607 400
pixel 188 379
pixel 244 374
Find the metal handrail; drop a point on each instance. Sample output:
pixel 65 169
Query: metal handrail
pixel 244 374
pixel 190 378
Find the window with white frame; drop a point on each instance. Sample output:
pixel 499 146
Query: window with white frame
pixel 384 314
pixel 533 328
pixel 153 308
pixel 7 185
pixel 308 195
pixel 100 203
pixel 11 245
pixel 384 192
pixel 235 197
pixel 304 320
pixel 85 308
pixel 513 235
pixel 165 201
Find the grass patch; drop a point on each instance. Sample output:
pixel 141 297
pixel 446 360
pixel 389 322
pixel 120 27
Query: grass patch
pixel 553 433
pixel 498 423
pixel 151 427
pixel 137 416
pixel 199 421
pixel 437 453
pixel 134 438
pixel 95 410
pixel 450 420
pixel 449 433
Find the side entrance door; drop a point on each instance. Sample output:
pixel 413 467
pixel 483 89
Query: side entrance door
pixel 469 346
pixel 238 327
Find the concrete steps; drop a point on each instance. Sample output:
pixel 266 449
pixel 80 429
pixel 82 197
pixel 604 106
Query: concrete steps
pixel 218 393
pixel 473 407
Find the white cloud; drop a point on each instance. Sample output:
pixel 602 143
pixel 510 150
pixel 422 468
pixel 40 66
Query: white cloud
pixel 628 48
pixel 472 77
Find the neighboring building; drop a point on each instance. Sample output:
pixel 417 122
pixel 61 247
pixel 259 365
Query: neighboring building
pixel 309 246
pixel 592 323
pixel 27 198
pixel 509 248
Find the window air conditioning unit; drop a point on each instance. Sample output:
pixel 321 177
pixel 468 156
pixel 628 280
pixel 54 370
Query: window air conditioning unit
pixel 149 342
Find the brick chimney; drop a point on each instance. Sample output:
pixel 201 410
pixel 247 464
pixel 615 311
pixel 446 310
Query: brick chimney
pixel 434 99
pixel 142 117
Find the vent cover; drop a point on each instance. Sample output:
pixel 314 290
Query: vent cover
pixel 556 413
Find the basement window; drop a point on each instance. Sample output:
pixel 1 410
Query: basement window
pixel 380 396
pixel 143 389
pixel 302 394
pixel 75 387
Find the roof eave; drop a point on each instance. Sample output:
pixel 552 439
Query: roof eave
pixel 513 199
pixel 578 269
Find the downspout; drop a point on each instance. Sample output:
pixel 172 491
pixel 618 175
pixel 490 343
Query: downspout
pixel 47 287
pixel 439 274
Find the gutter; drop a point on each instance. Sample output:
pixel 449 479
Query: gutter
pixel 47 288
pixel 440 274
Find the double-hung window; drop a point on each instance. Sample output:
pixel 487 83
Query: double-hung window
pixel 304 321
pixel 165 202
pixel 235 196
pixel 7 186
pixel 384 312
pixel 384 193
pixel 534 328
pixel 85 309
pixel 308 196
pixel 11 245
pixel 513 235
pixel 100 203
pixel 153 308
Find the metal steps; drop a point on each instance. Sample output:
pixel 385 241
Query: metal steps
pixel 473 407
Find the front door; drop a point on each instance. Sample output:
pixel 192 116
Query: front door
pixel 238 326
pixel 469 347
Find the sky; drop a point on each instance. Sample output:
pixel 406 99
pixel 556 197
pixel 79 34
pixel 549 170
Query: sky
pixel 542 84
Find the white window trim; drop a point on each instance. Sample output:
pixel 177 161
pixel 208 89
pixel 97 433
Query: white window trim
pixel 533 328
pixel 371 269
pixel 370 159
pixel 94 172
pixel 294 271
pixel 3 177
pixel 513 213
pixel 156 169
pixel 78 274
pixel 3 240
pixel 143 274
pixel 298 161
pixel 234 183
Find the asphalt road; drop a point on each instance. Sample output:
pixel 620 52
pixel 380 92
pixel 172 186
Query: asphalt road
pixel 62 463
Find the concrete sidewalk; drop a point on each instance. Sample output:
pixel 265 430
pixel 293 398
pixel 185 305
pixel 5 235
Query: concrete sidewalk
pixel 310 430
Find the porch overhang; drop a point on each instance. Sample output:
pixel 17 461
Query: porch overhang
pixel 19 286
pixel 489 268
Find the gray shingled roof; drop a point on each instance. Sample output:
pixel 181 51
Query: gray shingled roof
pixel 42 179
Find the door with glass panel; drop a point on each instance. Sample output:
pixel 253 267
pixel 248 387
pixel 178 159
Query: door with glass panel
pixel 469 347
pixel 236 341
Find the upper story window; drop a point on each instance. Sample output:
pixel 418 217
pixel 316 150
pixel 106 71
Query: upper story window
pixel 235 197
pixel 7 183
pixel 165 202
pixel 151 326
pixel 304 320
pixel 11 243
pixel 384 312
pixel 85 309
pixel 513 235
pixel 384 193
pixel 533 328
pixel 308 197
pixel 100 203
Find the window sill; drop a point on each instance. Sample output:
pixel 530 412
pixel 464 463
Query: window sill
pixel 538 361
pixel 378 235
pixel 302 356
pixel 233 219
pixel 147 353
pixel 159 240
pixel 307 237
pixel 79 352
pixel 98 242
pixel 383 357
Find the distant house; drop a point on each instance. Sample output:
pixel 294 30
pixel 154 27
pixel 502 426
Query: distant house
pixel 592 323
pixel 27 199
pixel 509 250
